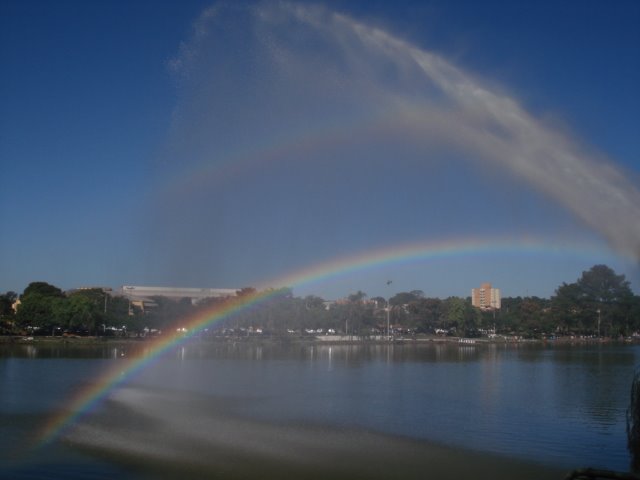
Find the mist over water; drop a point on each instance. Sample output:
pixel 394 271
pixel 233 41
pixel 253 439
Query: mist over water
pixel 244 410
pixel 176 434
pixel 299 129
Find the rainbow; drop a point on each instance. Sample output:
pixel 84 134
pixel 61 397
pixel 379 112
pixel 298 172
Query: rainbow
pixel 86 401
pixel 411 253
pixel 289 148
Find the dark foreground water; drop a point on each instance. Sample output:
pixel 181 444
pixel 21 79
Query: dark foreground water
pixel 273 411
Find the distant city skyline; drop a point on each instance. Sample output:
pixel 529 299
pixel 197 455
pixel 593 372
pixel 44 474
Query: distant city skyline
pixel 331 145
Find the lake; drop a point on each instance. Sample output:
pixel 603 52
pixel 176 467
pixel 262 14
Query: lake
pixel 246 410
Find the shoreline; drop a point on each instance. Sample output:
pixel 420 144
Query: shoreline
pixel 329 340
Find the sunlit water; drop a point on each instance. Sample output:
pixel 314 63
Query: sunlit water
pixel 560 406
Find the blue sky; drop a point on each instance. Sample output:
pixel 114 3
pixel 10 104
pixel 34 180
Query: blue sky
pixel 172 143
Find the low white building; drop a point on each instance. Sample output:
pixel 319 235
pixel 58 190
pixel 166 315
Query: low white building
pixel 144 294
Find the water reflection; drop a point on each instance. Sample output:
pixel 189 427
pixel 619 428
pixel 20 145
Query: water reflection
pixel 591 379
pixel 32 351
pixel 66 350
pixel 358 354
pixel 530 401
pixel 492 380
pixel 467 352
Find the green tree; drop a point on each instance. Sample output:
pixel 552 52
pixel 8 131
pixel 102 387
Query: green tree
pixel 605 298
pixel 528 316
pixel 357 297
pixel 632 320
pixel 312 302
pixel 600 284
pixel 167 313
pixel 40 307
pixel 39 312
pixel 567 307
pixel 119 314
pixel 6 304
pixel 404 298
pixel 86 310
pixel 429 311
pixel 454 312
pixel 79 314
pixel 381 302
pixel 472 318
pixel 42 288
pixel 7 313
pixel 599 302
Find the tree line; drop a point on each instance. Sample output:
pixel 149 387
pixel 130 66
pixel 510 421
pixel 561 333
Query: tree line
pixel 599 303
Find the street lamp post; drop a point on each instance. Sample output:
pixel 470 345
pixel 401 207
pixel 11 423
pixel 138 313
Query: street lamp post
pixel 388 314
pixel 388 325
pixel 598 323
pixel 106 295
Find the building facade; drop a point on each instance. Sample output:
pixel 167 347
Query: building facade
pixel 486 297
pixel 142 296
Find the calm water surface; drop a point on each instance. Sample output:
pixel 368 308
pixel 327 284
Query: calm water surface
pixel 560 406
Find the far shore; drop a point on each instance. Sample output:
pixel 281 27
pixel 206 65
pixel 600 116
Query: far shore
pixel 312 340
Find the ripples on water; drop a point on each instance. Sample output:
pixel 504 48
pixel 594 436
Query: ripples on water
pixel 301 404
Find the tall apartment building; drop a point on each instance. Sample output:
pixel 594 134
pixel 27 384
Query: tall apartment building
pixel 485 297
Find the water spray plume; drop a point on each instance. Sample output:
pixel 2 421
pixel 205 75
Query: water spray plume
pixel 364 79
pixel 498 129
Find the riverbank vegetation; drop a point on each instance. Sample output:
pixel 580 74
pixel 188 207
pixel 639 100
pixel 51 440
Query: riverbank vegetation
pixel 598 304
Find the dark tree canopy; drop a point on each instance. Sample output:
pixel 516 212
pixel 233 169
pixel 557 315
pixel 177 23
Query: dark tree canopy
pixel 6 303
pixel 42 288
pixel 357 297
pixel 601 284
pixel 599 303
pixel 404 298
